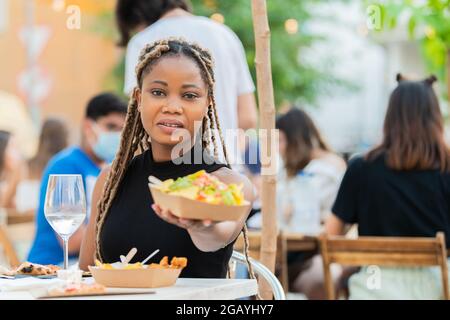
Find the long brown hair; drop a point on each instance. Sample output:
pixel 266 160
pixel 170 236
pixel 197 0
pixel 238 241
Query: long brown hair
pixel 413 129
pixel 53 138
pixel 302 138
pixel 134 135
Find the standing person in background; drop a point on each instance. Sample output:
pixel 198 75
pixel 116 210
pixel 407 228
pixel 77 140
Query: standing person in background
pixel 306 189
pixel 155 20
pixel 100 137
pixel 11 166
pixel 53 138
pixel 401 188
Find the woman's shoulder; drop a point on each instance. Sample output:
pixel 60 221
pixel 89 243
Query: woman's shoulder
pixel 357 162
pixel 327 163
pixel 137 160
pixel 228 175
pixel 332 159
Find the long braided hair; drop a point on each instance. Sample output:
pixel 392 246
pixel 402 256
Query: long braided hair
pixel 134 136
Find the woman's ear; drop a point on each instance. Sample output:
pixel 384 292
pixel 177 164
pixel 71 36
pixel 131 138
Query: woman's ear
pixel 137 97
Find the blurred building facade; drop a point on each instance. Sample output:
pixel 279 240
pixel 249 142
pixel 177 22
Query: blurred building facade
pixel 54 69
pixel 52 64
pixel 352 120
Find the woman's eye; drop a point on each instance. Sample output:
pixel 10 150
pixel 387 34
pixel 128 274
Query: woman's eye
pixel 158 93
pixel 190 96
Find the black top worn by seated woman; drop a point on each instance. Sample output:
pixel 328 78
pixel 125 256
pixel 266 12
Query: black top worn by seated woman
pixel 131 222
pixel 394 203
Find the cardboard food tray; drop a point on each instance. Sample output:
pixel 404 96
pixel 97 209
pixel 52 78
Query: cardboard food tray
pixel 135 278
pixel 193 209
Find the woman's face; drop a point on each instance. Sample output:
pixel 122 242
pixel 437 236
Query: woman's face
pixel 173 97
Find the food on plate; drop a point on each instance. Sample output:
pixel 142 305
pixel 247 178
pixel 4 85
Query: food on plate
pixel 34 269
pixel 118 265
pixel 175 263
pixel 77 289
pixel 204 187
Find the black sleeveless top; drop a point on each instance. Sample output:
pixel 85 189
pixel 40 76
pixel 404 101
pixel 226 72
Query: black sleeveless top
pixel 131 222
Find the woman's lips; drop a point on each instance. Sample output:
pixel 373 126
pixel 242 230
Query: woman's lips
pixel 168 126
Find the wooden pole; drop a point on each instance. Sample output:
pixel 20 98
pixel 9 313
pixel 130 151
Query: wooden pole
pixel 267 140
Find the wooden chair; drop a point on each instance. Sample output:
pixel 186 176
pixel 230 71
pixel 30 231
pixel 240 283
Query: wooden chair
pixel 14 217
pixel 8 248
pixel 384 251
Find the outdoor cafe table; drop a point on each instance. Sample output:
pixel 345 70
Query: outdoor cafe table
pixel 184 289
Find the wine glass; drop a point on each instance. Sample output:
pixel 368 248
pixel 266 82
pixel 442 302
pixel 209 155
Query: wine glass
pixel 65 206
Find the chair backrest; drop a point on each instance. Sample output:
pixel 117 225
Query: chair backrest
pixel 8 248
pixel 384 251
pixel 262 271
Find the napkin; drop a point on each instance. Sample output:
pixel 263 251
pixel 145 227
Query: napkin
pixel 28 284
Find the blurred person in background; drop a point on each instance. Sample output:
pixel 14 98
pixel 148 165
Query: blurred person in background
pixel 142 21
pixel 100 137
pixel 401 188
pixel 306 189
pixel 11 168
pixel 53 138
pixel 15 118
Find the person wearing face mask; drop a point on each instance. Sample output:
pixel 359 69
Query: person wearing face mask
pixel 100 137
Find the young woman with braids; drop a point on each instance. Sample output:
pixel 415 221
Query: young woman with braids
pixel 175 90
pixel 401 188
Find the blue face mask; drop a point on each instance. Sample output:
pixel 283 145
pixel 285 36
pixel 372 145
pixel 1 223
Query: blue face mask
pixel 107 145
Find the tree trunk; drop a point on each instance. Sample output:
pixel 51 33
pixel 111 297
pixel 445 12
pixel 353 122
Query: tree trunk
pixel 267 140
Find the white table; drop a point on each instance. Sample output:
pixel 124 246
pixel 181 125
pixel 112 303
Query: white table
pixel 184 289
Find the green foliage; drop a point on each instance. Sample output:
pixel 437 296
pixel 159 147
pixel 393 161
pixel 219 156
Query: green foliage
pixel 293 79
pixel 429 23
pixel 103 24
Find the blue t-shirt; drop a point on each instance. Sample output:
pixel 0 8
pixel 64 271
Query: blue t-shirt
pixel 46 248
